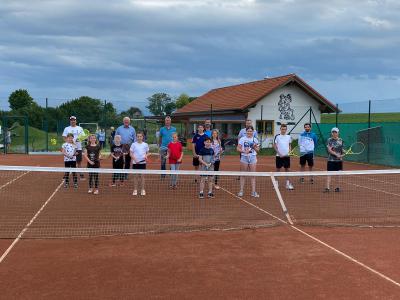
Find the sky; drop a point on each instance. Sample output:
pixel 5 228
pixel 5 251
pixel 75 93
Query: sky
pixel 124 51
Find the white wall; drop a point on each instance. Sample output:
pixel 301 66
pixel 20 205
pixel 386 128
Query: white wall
pixel 301 102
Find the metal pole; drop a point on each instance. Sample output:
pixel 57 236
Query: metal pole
pixel 310 114
pixel 337 114
pixel 211 114
pixel 369 126
pixel 47 125
pixel 262 126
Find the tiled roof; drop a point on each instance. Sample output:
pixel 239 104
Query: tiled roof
pixel 241 96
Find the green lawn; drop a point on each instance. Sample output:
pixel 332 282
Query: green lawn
pixel 360 118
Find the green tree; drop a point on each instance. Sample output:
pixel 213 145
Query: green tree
pixel 161 104
pixel 132 112
pixel 182 100
pixel 19 99
pixel 85 108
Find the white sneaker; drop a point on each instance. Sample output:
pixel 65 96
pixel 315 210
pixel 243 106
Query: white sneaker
pixel 255 195
pixel 90 191
pixel 289 186
pixel 96 192
pixel 134 193
pixel 240 194
pixel 143 193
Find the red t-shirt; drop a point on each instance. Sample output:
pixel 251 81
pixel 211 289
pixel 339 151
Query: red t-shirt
pixel 175 152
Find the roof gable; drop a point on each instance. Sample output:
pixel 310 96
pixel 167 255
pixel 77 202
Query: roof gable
pixel 240 97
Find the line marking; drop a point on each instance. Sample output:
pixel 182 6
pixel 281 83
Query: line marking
pixel 11 181
pixel 28 224
pixel 337 251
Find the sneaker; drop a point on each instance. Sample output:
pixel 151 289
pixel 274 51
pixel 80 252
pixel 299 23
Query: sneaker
pixel 96 192
pixel 113 184
pixel 174 187
pixel 302 180
pixel 134 193
pixel 337 190
pixel 66 185
pixel 217 187
pixel 90 191
pixel 312 180
pixel 240 194
pixel 75 185
pixel 143 193
pixel 255 195
pixel 327 190
pixel 289 186
pixel 201 195
pixel 82 178
pixel 210 195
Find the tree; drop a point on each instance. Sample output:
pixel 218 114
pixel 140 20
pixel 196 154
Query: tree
pixel 20 99
pixel 85 108
pixel 161 104
pixel 132 112
pixel 182 100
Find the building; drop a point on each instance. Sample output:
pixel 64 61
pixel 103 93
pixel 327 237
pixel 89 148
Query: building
pixel 268 103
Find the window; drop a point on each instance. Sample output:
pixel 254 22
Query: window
pixel 265 127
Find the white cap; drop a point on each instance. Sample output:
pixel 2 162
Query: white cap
pixel 335 129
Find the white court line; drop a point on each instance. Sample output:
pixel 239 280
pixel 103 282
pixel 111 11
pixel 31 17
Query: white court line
pixel 337 251
pixel 29 224
pixel 11 181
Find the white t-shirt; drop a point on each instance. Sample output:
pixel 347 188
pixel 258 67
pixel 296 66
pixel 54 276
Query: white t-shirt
pixel 282 143
pixel 70 151
pixel 139 151
pixel 248 143
pixel 76 131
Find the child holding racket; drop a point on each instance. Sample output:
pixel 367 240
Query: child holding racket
pixel 282 146
pixel 69 151
pixel 92 155
pixel 139 151
pixel 206 156
pixel 117 154
pixel 216 145
pixel 174 156
pixel 248 147
pixel 335 156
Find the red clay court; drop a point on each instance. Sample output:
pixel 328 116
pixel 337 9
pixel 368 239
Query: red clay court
pixel 180 248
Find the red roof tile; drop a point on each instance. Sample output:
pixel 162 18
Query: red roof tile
pixel 241 96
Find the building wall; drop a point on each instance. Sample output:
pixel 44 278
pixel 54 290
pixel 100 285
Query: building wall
pixel 285 111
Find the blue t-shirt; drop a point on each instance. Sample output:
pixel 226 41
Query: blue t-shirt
pixel 166 136
pixel 207 154
pixel 308 142
pixel 208 133
pixel 198 140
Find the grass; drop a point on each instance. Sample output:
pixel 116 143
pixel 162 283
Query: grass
pixel 360 118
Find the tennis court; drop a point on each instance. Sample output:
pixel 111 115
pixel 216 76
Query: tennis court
pixel 64 243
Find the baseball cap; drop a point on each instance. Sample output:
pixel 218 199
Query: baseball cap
pixel 335 129
pixel 72 118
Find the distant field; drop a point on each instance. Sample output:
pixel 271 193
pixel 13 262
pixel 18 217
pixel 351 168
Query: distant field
pixel 361 118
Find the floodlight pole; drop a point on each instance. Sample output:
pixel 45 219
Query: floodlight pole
pixel 47 125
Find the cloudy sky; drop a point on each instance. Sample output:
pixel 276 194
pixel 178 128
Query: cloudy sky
pixel 126 50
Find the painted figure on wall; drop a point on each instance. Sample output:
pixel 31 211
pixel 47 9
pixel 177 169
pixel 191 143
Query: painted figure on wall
pixel 286 112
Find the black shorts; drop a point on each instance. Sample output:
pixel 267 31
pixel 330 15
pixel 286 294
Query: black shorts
pixel 139 166
pixel 282 162
pixel 196 161
pixel 78 155
pixel 335 166
pixel 307 158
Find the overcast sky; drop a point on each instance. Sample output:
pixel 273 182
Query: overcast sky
pixel 126 50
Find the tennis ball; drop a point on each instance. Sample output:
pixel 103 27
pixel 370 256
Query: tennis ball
pixel 53 141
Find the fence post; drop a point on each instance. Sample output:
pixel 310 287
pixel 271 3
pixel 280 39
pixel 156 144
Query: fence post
pixel 337 114
pixel 47 125
pixel 369 126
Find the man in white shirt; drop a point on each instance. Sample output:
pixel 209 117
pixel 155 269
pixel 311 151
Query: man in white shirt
pixel 282 146
pixel 76 131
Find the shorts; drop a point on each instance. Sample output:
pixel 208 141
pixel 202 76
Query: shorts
pixel 196 161
pixel 282 162
pixel 139 166
pixel 335 166
pixel 250 160
pixel 78 156
pixel 307 158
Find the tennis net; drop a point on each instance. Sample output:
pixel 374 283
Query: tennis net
pixel 37 202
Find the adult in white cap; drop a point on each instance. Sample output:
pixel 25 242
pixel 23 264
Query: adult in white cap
pixel 76 131
pixel 335 157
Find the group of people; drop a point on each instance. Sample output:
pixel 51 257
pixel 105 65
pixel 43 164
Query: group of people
pixel 129 150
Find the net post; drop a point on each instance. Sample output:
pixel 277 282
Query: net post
pixel 282 203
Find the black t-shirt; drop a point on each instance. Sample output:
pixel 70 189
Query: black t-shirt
pixel 117 151
pixel 93 153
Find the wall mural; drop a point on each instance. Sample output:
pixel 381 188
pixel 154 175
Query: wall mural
pixel 286 112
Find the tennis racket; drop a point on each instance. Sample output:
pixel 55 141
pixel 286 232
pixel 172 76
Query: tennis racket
pixel 355 149
pixel 83 136
pixel 152 157
pixel 295 151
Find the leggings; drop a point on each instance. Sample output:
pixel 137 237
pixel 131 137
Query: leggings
pixel 70 164
pixel 216 168
pixel 93 177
